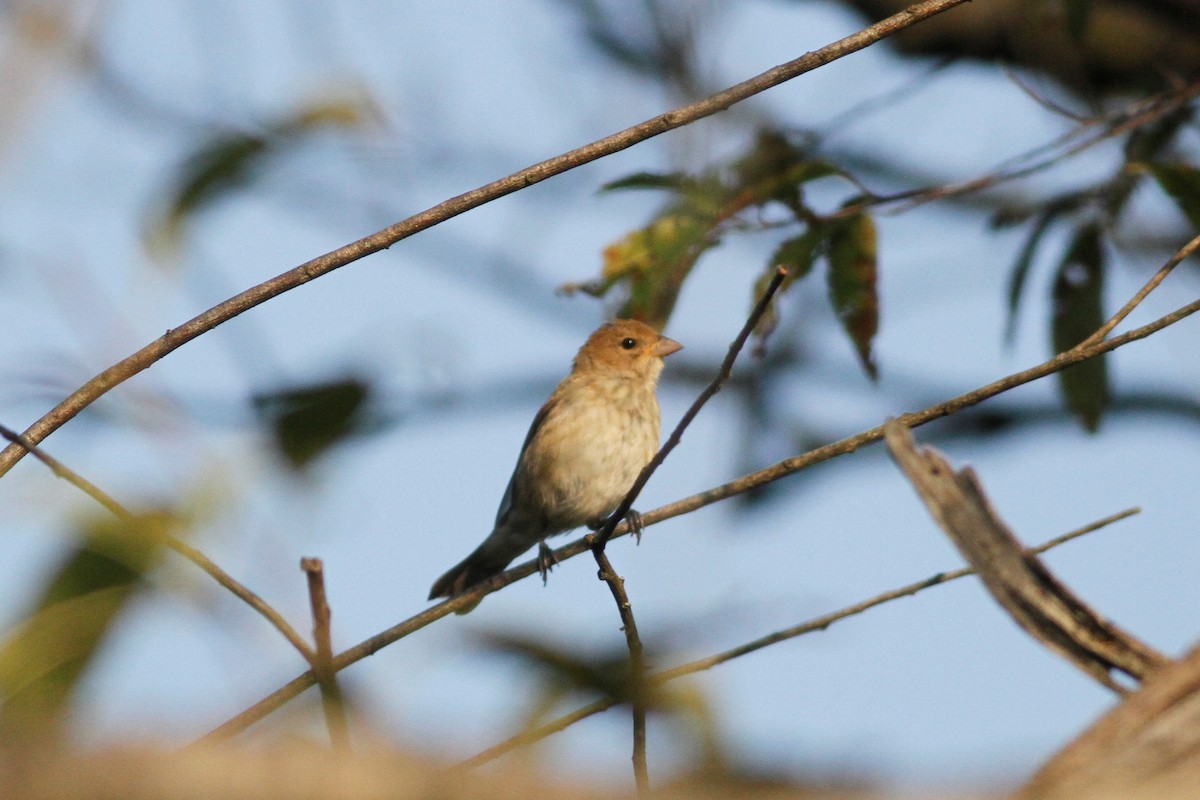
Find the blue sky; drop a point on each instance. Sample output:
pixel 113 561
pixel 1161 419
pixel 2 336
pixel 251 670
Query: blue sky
pixel 939 688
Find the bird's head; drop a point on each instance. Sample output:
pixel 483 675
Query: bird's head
pixel 626 347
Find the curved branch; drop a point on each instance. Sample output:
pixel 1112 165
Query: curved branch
pixel 85 395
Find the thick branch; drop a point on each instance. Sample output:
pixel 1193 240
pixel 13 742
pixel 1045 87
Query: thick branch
pixel 85 395
pixel 1148 746
pixel 1019 582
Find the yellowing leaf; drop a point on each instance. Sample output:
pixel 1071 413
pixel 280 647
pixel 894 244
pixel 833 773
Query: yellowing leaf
pixel 43 659
pixel 853 273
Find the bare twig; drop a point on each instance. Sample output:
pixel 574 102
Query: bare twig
pixel 814 625
pixel 1150 286
pixel 332 700
pixel 745 483
pixel 85 395
pixel 637 669
pixel 1033 161
pixel 1041 604
pixel 179 546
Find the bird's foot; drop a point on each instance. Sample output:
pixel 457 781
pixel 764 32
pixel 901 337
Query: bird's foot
pixel 546 561
pixel 636 526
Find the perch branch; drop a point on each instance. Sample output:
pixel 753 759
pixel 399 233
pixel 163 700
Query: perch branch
pixel 616 584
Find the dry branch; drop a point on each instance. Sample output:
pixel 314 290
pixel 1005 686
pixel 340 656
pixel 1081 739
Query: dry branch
pixel 1148 746
pixel 1017 580
pixel 332 700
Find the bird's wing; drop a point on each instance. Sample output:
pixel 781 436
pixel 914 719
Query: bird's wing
pixel 506 502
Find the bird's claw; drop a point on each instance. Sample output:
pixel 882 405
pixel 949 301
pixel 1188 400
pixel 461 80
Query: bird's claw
pixel 636 526
pixel 546 561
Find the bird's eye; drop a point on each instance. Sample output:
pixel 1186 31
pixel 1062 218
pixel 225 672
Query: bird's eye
pixel 629 343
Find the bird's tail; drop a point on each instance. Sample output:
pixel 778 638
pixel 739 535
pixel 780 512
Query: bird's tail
pixel 475 568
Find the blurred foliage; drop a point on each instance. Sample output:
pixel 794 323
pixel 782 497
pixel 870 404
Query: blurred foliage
pixel 1078 313
pixel 230 160
pixel 1093 216
pixel 1094 47
pixel 568 674
pixel 306 421
pixel 44 658
pixel 759 191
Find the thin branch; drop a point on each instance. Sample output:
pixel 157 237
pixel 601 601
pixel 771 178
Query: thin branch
pixel 637 669
pixel 814 625
pixel 1150 286
pixel 178 545
pixel 332 699
pixel 743 484
pixel 1022 166
pixel 85 395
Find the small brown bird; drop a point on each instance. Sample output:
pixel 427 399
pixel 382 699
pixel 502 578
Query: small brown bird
pixel 583 452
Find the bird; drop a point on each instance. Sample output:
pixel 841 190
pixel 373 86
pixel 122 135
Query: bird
pixel 585 448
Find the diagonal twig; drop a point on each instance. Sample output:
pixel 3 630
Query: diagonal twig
pixel 1158 277
pixel 178 545
pixel 814 625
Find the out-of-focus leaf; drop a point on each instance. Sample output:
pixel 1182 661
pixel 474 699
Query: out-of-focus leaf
pixel 564 672
pixel 43 659
pixel 669 181
pixel 853 272
pixel 652 264
pixel 1182 182
pixel 230 160
pixel 776 169
pixel 1147 142
pixel 1078 313
pixel 797 255
pixel 1021 267
pixel 309 420
pixel 1077 13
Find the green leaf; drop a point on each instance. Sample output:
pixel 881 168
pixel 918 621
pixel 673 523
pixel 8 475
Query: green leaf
pixel 308 421
pixel 1078 313
pixel 1182 182
pixel 44 658
pixel 230 160
pixel 853 273
pixel 1021 267
pixel 797 255
pixel 671 181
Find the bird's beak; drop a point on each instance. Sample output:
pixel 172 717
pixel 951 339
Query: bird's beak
pixel 664 347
